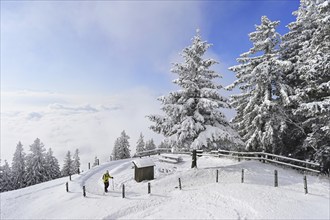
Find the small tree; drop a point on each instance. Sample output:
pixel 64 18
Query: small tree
pixel 36 168
pixel 76 162
pixel 18 167
pixel 115 150
pixel 150 145
pixel 53 168
pixel 68 165
pixel 6 179
pixel 164 144
pixel 140 147
pixel 121 149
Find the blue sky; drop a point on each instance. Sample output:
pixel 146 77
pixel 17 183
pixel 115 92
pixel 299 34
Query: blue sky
pixel 76 73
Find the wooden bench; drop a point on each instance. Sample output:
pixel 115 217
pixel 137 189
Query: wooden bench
pixel 170 158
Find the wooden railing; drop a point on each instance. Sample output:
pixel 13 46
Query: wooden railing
pixel 261 156
pixel 272 158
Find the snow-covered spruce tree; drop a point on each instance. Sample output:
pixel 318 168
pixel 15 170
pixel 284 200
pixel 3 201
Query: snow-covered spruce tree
pixel 6 178
pixel 150 145
pixel 35 164
pixel 76 162
pixel 67 168
pixel 261 116
pixel 53 168
pixel 115 150
pixel 165 144
pixel 18 167
pixel 307 46
pixel 140 145
pixel 121 149
pixel 192 115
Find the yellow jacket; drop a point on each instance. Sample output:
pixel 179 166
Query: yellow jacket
pixel 106 177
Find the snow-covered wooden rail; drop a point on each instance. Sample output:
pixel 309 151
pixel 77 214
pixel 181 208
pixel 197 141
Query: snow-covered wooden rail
pixel 261 156
pixel 272 158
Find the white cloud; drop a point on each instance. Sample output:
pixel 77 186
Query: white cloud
pixel 91 127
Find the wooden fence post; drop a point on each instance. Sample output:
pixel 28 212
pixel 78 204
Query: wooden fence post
pixel 194 159
pixel 263 155
pixel 84 191
pixel 180 184
pixel 123 192
pixel 70 177
pixel 149 188
pixel 89 166
pixel 276 179
pixel 305 184
pixel 67 186
pixel 242 181
pixel 217 177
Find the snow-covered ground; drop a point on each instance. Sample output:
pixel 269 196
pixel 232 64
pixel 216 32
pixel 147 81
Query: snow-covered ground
pixel 200 198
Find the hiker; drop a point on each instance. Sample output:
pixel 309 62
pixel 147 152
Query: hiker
pixel 106 178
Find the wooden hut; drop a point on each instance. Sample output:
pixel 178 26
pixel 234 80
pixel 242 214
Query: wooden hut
pixel 144 169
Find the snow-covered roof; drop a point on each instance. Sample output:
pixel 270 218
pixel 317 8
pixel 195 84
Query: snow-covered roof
pixel 140 163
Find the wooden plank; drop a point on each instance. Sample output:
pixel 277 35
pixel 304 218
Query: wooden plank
pixel 174 157
pixel 292 165
pixel 168 160
pixel 272 155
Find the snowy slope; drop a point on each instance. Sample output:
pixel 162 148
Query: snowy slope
pixel 200 197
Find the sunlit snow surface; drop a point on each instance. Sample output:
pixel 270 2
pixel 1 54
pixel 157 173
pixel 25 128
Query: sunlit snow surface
pixel 200 198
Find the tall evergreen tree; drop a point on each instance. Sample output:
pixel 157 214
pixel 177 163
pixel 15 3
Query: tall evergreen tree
pixel 307 46
pixel 6 179
pixel 67 168
pixel 192 115
pixel 18 167
pixel 76 162
pixel 121 149
pixel 165 144
pixel 35 164
pixel 115 150
pixel 150 145
pixel 53 168
pixel 261 117
pixel 140 145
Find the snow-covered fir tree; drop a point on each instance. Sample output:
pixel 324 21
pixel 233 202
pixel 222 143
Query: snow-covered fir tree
pixel 67 168
pixel 114 154
pixel 36 168
pixel 307 46
pixel 121 149
pixel 76 162
pixel 6 178
pixel 140 145
pixel 18 167
pixel 192 115
pixel 53 168
pixel 261 117
pixel 150 145
pixel 165 144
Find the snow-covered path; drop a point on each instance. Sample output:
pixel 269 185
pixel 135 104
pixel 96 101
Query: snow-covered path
pixel 200 198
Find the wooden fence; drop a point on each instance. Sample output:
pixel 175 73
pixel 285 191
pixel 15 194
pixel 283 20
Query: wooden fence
pixel 267 157
pixel 261 156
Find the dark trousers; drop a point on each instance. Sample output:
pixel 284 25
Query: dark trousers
pixel 106 185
